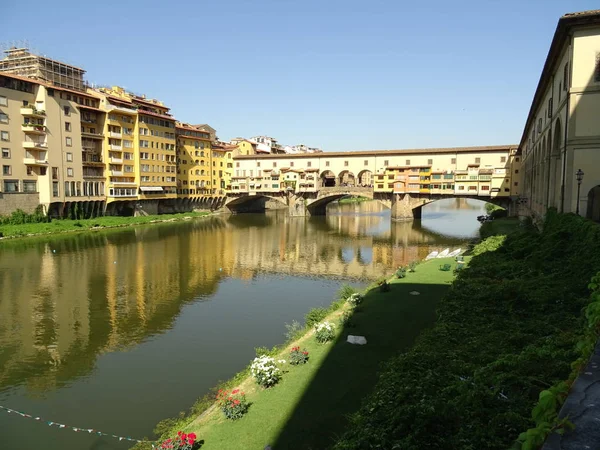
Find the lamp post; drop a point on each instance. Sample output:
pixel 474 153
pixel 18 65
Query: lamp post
pixel 579 174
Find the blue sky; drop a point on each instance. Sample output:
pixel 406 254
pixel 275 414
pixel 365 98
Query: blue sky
pixel 342 75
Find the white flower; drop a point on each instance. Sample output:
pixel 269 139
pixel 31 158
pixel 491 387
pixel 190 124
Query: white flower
pixel 282 361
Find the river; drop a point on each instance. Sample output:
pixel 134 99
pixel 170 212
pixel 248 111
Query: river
pixel 118 329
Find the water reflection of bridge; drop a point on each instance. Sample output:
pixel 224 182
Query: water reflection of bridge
pixel 71 298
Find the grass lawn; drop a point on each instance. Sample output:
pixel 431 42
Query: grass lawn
pixel 308 408
pixel 61 226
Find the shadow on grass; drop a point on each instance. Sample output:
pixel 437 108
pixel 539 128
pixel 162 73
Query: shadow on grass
pixel 390 321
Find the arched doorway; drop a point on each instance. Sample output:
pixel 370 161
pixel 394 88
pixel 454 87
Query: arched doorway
pixel 346 178
pixel 593 204
pixel 327 179
pixel 365 178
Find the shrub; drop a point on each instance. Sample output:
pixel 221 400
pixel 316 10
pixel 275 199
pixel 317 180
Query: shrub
pixel 234 405
pixel 355 299
pixel 490 244
pixel 346 319
pixel 298 356
pixel 336 305
pixel 412 267
pixel 385 286
pixel 401 272
pixel 293 330
pixel 183 441
pixel 265 371
pixel 324 332
pixel 346 291
pixel 315 316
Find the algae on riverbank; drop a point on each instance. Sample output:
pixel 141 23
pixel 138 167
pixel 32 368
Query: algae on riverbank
pixel 67 225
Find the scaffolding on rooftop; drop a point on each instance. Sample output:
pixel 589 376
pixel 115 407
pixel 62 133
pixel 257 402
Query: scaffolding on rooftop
pixel 21 62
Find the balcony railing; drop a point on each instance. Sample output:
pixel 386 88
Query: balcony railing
pixel 116 173
pixel 35 162
pixel 116 160
pixel 33 128
pixel 115 134
pixel 92 135
pixel 31 111
pixel 34 145
pixel 115 147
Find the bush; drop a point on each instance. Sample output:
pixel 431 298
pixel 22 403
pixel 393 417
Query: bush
pixel 489 244
pixel 346 319
pixel 324 332
pixel 298 356
pixel 234 405
pixel 265 371
pixel 183 441
pixel 355 299
pixel 294 330
pixel 412 267
pixel 400 273
pixel 346 291
pixel 510 326
pixel 315 316
pixel 499 213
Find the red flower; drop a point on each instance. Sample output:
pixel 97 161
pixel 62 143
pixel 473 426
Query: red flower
pixel 179 433
pixel 305 353
pixel 243 393
pixel 236 402
pixel 235 391
pixel 192 436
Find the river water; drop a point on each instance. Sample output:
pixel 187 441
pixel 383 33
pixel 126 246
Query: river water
pixel 116 330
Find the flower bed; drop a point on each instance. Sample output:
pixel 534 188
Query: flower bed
pixel 324 332
pixel 298 356
pixel 233 404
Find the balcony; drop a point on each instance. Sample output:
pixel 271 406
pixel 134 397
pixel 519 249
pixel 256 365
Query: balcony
pixel 35 161
pixel 35 145
pixel 116 160
pixel 33 128
pixel 92 162
pixel 87 134
pixel 93 175
pixel 114 134
pixel 116 147
pixel 88 120
pixel 31 111
pixel 116 173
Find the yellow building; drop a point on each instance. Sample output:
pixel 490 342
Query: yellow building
pixel 193 161
pixel 221 167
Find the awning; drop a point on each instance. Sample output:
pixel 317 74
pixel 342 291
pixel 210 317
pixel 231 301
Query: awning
pixel 151 189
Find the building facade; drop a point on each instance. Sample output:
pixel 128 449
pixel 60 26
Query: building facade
pixel 562 132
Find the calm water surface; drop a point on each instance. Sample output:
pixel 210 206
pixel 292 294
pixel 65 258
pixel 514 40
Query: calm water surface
pixel 117 330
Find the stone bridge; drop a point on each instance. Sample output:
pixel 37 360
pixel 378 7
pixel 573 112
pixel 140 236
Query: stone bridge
pixel 404 206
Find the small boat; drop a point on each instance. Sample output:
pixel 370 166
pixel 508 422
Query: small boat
pixel 454 253
pixel 431 255
pixel 444 253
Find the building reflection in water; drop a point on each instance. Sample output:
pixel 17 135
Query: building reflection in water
pixel 66 300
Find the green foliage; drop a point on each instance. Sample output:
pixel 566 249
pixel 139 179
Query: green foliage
pixel 412 266
pixel 324 332
pixel 490 244
pixel 499 213
pixel 336 305
pixel 510 327
pixel 315 316
pixel 401 272
pixel 490 208
pixel 293 330
pixel 346 291
pixel 346 319
pixel 298 357
pixel 266 351
pixel 20 217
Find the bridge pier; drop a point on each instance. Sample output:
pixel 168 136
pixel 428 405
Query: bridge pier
pixel 406 207
pixel 297 206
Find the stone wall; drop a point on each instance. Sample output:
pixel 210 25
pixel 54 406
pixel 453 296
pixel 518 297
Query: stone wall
pixel 12 202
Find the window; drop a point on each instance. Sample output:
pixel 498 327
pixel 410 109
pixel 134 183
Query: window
pixel 29 186
pixel 3 101
pixel 55 173
pixel 68 141
pixel 408 162
pixel 292 164
pixel 596 72
pixel 503 159
pixel 257 164
pixel 345 163
pixel 3 118
pixel 477 160
pixel 385 163
pixel 485 188
pixel 6 170
pixel 516 183
pixel 566 74
pixel 67 111
pixel 430 161
pixel 11 185
pixel 67 126
pixel 308 164
pixel 461 188
pixel 55 191
pixel 517 159
pixel 516 170
pixel 453 161
pixel 326 163
pixel 29 170
pixel 274 164
pixel 69 171
pixel 6 153
pixel 69 157
pixel 4 136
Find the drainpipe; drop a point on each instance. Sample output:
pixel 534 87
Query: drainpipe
pixel 564 158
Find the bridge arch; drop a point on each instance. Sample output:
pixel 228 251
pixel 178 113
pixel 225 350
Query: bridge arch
pixel 365 178
pixel 255 203
pixel 346 178
pixel 328 178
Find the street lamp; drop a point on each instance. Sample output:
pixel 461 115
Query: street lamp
pixel 579 174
